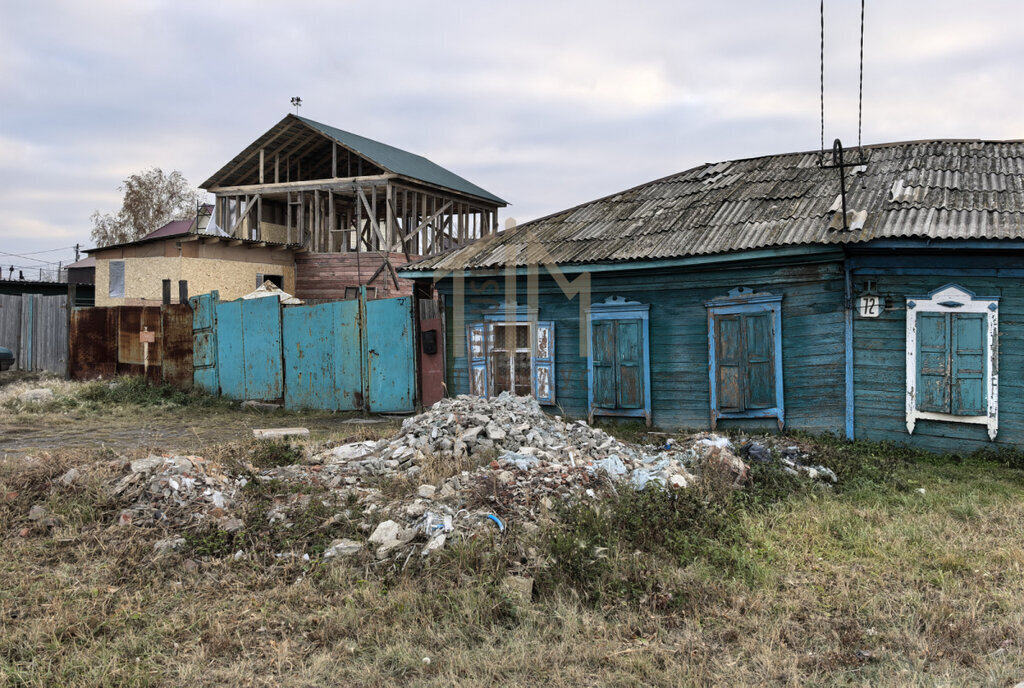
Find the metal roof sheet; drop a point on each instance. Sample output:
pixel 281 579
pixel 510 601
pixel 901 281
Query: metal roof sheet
pixel 389 158
pixel 951 190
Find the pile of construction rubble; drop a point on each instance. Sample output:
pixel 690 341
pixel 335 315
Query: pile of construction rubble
pixel 465 466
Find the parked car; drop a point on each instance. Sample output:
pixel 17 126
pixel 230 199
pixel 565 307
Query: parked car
pixel 6 358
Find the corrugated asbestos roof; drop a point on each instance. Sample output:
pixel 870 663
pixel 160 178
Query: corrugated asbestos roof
pixel 949 190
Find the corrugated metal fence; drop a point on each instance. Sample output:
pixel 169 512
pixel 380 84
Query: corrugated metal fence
pixel 35 328
pixel 155 341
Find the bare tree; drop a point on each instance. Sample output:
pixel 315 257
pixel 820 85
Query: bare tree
pixel 151 200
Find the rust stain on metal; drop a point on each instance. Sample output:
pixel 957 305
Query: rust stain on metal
pixel 105 342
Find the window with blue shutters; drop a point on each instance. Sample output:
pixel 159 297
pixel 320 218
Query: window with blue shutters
pixel 952 358
pixel 745 356
pixel 618 370
pixel 512 352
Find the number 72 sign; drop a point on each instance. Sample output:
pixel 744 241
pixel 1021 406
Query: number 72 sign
pixel 869 305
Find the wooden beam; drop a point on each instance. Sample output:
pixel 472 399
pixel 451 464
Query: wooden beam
pixel 241 219
pixel 350 183
pixel 371 213
pixel 250 156
pixel 429 221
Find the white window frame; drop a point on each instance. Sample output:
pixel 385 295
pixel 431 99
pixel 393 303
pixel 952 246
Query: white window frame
pixel 480 335
pixel 953 298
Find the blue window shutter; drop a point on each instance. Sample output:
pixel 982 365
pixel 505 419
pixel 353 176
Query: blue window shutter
pixel 476 356
pixel 544 362
pixel 760 378
pixel 603 363
pixel 933 362
pixel 729 359
pixel 629 361
pixel 967 383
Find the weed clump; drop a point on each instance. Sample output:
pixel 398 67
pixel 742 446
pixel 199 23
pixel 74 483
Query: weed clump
pixel 275 453
pixel 136 391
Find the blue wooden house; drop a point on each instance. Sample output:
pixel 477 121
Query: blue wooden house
pixel 740 294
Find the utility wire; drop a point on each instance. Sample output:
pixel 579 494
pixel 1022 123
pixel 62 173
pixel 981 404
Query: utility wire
pixel 49 250
pixel 821 151
pixel 29 257
pixel 860 93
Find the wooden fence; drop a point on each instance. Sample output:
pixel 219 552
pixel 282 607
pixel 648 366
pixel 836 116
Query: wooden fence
pixel 35 328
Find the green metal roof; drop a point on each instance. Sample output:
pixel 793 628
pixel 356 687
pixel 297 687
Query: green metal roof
pixel 294 132
pixel 402 162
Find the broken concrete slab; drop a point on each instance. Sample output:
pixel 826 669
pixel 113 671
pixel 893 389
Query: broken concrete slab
pixel 279 433
pixel 36 396
pixel 343 548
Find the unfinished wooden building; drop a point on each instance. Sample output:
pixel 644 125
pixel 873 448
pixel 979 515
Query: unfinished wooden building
pixel 354 209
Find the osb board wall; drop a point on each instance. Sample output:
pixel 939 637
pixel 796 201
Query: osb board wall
pixel 325 275
pixel 276 233
pixel 144 278
pixel 174 247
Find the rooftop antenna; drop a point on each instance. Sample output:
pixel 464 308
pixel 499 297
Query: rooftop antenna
pixel 837 146
pixel 296 103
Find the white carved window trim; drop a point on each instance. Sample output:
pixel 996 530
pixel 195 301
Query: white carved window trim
pixel 952 298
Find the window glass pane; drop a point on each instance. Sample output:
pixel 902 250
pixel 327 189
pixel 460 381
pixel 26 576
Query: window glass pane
pixel 522 373
pixel 501 372
pixel 116 286
pixel 522 336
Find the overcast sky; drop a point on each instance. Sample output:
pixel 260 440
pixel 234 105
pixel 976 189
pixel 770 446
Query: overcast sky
pixel 546 104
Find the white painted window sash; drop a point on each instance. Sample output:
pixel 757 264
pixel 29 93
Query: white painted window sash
pixel 954 299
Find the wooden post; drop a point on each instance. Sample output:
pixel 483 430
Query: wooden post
pixel 259 216
pixel 334 159
pixel 389 215
pixel 373 210
pixel 301 219
pixel 277 168
pixel 261 166
pixel 359 225
pixel 330 221
pixel 288 214
pixel 423 232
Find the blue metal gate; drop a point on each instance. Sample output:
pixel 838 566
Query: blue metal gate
pixel 338 356
pixel 389 354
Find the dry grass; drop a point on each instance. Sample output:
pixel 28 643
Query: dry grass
pixel 873 584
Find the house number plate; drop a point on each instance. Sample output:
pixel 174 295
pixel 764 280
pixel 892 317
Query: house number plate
pixel 869 306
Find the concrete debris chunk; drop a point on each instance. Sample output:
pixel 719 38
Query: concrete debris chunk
pixel 279 433
pixel 36 396
pixel 343 548
pixel 465 468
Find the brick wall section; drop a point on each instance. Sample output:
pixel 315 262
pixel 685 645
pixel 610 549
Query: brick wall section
pixel 322 276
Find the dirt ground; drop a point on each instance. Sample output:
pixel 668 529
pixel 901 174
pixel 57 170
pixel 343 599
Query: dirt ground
pixel 171 429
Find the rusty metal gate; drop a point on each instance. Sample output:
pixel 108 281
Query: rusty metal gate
pixel 338 356
pixel 150 341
